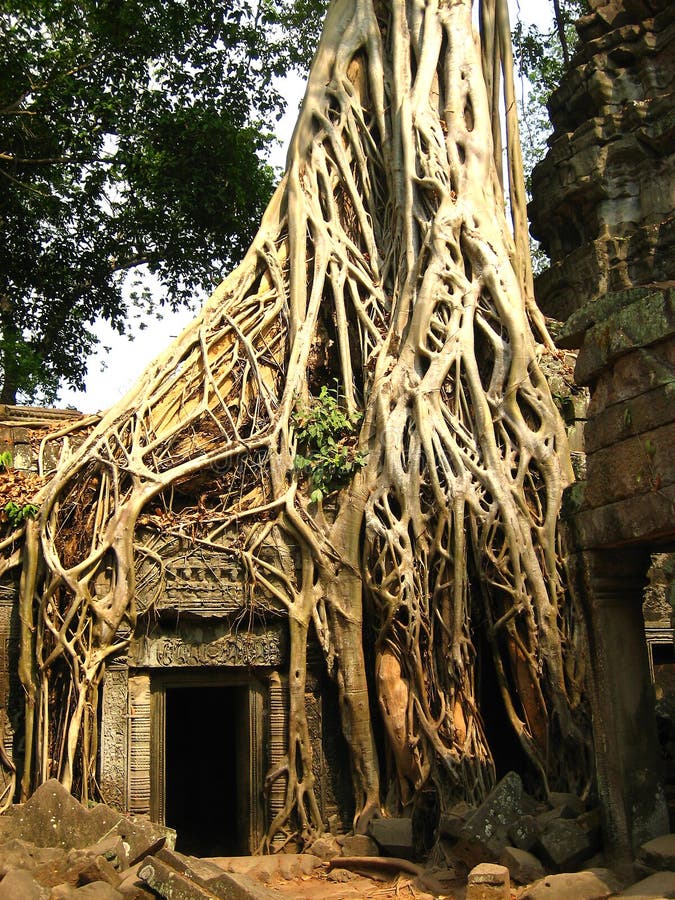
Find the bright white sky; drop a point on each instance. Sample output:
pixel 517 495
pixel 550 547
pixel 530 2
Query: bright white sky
pixel 122 358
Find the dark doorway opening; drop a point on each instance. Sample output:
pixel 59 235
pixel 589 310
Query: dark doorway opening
pixel 502 739
pixel 206 772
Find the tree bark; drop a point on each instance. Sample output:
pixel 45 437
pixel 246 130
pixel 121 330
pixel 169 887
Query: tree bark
pixel 385 262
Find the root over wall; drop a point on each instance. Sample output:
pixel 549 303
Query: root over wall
pixel 383 268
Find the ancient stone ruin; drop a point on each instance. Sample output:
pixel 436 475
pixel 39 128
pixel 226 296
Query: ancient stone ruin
pixel 604 210
pixel 203 629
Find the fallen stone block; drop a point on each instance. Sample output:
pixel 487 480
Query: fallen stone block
pixel 177 877
pixel 132 888
pixel 97 890
pixel 596 884
pixel 341 875
pixel 524 833
pixel 490 823
pixel 548 815
pixel 18 854
pixel 86 868
pixel 524 867
pixel 451 823
pixel 112 848
pixel 488 881
pixel 52 817
pixel 569 804
pixel 358 845
pixel 19 883
pixel 564 846
pixel 659 886
pixel 470 852
pixel 393 836
pixel 325 847
pixel 659 853
pixel 140 836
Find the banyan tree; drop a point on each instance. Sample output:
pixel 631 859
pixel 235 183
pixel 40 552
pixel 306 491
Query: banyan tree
pixel 359 418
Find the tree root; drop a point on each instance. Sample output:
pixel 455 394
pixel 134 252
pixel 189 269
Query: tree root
pixel 383 264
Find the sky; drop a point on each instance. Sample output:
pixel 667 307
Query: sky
pixel 121 359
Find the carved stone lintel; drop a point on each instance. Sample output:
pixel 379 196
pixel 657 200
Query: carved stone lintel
pixel 200 647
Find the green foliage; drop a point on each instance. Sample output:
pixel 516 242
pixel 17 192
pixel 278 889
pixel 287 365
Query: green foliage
pixel 539 59
pixel 327 438
pixel 6 460
pixel 17 514
pixel 132 137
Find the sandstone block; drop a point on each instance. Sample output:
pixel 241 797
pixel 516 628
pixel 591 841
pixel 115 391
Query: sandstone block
pixel 17 854
pixel 661 885
pixel 395 836
pixel 52 817
pixel 97 890
pixel 488 881
pixel 132 888
pixel 637 465
pixel 489 825
pixel 325 847
pixel 18 883
pixel 595 884
pixel 659 853
pixel 180 877
pixel 525 832
pixel 563 845
pixel 88 868
pixel 452 822
pixel 358 845
pixel 524 867
pixel 570 805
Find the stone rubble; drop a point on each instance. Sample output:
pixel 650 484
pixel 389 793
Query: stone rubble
pixel 54 848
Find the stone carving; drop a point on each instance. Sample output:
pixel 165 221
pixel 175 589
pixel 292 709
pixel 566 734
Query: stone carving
pixel 140 731
pixel 11 697
pixel 210 647
pixel 114 739
pixel 189 578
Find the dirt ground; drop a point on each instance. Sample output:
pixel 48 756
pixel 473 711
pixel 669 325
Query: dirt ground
pixel 320 886
pixel 308 878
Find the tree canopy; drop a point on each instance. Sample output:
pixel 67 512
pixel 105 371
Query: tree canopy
pixel 132 134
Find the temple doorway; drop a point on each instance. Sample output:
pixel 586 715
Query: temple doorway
pixel 206 762
pixel 204 768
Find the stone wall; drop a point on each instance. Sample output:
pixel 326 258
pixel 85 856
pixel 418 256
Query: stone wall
pixel 603 208
pixel 603 205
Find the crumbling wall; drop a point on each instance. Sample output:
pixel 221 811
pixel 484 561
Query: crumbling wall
pixel 603 208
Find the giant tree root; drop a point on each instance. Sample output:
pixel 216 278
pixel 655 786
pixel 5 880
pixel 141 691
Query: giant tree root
pixel 383 264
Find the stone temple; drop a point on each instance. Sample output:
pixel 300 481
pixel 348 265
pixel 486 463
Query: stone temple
pixel 603 209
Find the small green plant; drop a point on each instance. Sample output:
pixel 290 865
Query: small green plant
pixel 18 514
pixel 327 441
pixel 6 460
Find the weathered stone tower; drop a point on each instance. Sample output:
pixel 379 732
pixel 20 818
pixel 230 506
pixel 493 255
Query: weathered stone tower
pixel 604 201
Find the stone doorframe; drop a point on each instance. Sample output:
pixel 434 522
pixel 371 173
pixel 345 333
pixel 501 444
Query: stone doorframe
pixel 629 769
pixel 251 749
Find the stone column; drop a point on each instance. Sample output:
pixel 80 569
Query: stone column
pixel 629 767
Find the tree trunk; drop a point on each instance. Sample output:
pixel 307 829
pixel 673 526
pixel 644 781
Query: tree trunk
pixel 384 262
